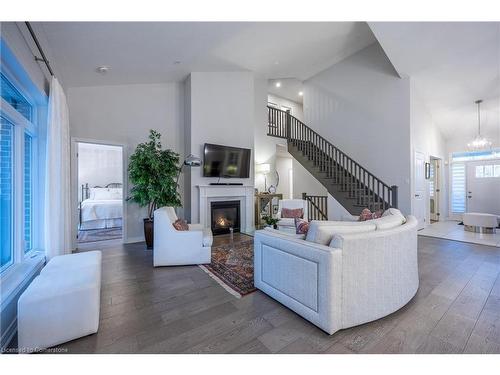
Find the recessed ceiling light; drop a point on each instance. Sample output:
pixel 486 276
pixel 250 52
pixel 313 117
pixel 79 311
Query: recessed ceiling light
pixel 278 84
pixel 301 93
pixel 102 69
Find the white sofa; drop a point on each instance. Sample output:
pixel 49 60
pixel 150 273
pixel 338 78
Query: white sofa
pixel 62 303
pixel 173 247
pixel 288 224
pixel 363 274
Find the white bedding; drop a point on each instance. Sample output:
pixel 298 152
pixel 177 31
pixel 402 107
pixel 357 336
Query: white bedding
pixel 102 209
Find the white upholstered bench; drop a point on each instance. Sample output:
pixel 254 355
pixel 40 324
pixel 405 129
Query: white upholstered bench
pixel 477 222
pixel 62 303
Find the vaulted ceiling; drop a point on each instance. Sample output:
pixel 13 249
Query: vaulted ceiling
pixel 450 64
pixel 155 52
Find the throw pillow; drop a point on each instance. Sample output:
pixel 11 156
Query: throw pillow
pixel 366 214
pixel 394 212
pixel 181 225
pixel 292 213
pixel 301 226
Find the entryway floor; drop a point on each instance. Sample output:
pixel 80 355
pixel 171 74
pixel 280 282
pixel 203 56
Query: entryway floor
pixel 450 230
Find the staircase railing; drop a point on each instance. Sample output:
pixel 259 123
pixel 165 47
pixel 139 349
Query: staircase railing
pixel 317 206
pixel 362 185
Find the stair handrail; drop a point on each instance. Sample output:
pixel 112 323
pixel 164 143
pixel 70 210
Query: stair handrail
pixel 286 133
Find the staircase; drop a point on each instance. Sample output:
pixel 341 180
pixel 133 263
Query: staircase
pixel 346 180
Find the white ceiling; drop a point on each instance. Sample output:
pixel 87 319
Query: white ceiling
pixel 289 89
pixel 140 52
pixel 451 65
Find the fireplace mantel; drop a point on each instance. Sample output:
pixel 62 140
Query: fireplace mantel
pixel 212 193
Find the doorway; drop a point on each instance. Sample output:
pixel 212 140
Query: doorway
pixel 434 189
pixel 99 171
pixel 419 201
pixel 483 186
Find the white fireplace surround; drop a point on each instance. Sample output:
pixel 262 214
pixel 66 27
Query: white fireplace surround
pixel 217 193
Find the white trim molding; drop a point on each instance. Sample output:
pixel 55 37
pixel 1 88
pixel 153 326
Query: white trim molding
pixel 214 193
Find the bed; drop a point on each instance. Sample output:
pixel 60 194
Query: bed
pixel 101 207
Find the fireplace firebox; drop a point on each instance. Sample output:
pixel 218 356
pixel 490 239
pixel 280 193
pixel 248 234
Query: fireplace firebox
pixel 225 215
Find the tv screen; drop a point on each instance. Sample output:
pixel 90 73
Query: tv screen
pixel 225 161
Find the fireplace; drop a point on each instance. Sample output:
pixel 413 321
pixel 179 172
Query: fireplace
pixel 225 215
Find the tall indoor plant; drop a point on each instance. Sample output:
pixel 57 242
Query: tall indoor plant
pixel 152 173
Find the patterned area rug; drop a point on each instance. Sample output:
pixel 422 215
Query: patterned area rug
pixel 232 264
pixel 93 235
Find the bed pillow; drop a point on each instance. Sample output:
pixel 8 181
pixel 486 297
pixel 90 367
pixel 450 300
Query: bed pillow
pixel 292 213
pixel 115 193
pixel 105 193
pixel 180 225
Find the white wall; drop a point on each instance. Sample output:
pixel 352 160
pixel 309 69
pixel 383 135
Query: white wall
pixel 427 139
pixel 124 114
pixel 297 109
pixel 284 165
pixel 363 107
pixel 305 182
pixel 221 111
pixel 265 146
pixel 99 165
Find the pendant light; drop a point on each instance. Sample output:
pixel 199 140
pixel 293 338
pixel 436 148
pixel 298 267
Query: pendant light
pixel 479 143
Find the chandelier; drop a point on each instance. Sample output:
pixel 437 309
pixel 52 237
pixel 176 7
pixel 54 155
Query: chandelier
pixel 479 143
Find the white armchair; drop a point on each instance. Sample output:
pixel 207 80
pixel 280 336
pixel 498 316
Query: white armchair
pixel 288 224
pixel 173 247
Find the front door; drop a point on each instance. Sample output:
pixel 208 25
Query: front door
pixel 419 202
pixel 483 187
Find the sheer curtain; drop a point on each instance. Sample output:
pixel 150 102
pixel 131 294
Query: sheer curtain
pixel 57 213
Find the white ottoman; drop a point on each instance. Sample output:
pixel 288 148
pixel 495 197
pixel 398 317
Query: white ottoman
pixel 62 303
pixel 482 223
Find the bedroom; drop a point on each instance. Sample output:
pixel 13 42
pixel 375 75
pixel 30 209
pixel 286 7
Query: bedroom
pixel 100 192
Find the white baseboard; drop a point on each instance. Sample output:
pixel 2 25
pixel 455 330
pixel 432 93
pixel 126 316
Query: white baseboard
pixel 134 239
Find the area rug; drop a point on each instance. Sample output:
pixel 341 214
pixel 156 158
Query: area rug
pixel 93 235
pixel 232 265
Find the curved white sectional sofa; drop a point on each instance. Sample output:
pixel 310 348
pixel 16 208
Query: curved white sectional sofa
pixel 355 279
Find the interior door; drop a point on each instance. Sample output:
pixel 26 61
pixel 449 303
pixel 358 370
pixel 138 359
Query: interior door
pixel 434 189
pixel 483 186
pixel 419 201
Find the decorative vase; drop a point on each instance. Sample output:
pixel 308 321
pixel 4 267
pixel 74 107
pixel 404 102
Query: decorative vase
pixel 148 232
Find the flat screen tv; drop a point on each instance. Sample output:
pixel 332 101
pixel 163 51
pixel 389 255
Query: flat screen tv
pixel 225 161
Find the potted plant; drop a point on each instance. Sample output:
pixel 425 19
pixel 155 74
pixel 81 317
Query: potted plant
pixel 152 173
pixel 271 221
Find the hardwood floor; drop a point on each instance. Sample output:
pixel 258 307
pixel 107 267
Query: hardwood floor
pixel 182 310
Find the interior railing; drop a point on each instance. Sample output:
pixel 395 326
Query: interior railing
pixel 317 206
pixel 361 185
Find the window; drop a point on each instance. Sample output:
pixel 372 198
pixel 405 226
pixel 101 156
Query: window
pixel 488 171
pixel 458 187
pixel 28 192
pixel 431 180
pixel 476 155
pixel 12 96
pixel 17 172
pixel 6 196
